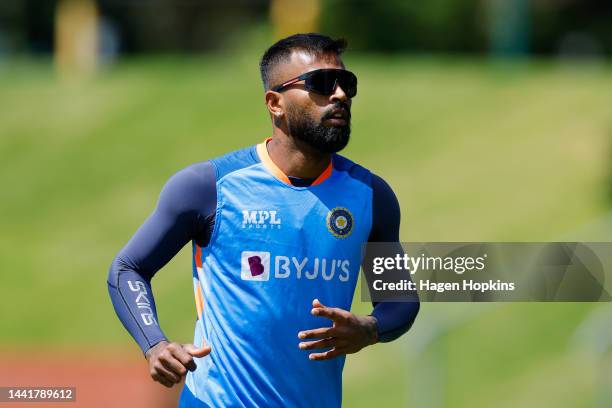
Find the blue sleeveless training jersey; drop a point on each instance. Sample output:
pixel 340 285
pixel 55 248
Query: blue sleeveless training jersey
pixel 275 247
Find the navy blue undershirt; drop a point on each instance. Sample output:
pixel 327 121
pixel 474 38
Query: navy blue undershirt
pixel 301 182
pixel 185 212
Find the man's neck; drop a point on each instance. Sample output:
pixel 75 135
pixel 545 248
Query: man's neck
pixel 296 158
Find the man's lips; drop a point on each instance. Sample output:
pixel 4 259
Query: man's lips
pixel 336 121
pixel 338 116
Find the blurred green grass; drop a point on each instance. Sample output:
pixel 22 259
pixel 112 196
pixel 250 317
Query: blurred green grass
pixel 475 150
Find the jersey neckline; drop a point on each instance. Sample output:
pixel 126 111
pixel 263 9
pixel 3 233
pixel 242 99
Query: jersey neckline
pixel 266 160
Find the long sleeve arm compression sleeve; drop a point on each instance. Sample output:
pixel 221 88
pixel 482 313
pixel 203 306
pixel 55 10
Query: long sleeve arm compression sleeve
pixel 393 318
pixel 185 211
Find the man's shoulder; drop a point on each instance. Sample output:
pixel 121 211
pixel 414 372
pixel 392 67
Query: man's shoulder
pixel 217 167
pixel 234 160
pixel 354 170
pixel 194 186
pixel 188 188
pixel 363 174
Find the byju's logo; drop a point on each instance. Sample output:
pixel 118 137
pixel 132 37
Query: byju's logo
pixel 260 266
pixel 260 219
pixel 255 266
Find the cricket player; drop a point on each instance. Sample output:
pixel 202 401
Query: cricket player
pixel 277 231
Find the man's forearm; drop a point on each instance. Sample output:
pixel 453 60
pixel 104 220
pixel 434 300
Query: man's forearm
pixel 394 318
pixel 134 304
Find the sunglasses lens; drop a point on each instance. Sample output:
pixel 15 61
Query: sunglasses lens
pixel 324 82
pixel 348 83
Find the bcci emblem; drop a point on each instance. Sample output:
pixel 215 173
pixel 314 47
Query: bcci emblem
pixel 340 222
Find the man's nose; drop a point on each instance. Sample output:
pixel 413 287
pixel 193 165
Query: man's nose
pixel 338 95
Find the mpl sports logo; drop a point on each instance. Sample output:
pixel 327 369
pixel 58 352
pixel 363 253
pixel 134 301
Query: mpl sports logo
pixel 260 219
pixel 260 266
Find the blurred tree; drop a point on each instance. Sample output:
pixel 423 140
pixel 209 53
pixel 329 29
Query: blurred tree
pixel 27 25
pixel 540 26
pixel 181 25
pixel 11 19
pixel 395 25
pixel 142 25
pixel 555 20
pixel 508 25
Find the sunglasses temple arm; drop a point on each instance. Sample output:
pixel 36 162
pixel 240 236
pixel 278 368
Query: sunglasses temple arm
pixel 286 84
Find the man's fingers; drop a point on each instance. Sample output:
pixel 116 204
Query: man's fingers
pixel 160 373
pixel 183 357
pixel 162 380
pixel 317 303
pixel 169 362
pixel 174 366
pixel 197 352
pixel 321 333
pixel 319 344
pixel 168 375
pixel 327 355
pixel 332 313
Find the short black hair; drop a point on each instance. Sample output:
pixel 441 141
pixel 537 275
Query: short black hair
pixel 312 43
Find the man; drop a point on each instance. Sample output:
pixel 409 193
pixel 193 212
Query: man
pixel 277 231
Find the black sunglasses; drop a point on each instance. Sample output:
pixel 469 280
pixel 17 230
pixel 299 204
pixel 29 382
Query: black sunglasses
pixel 324 82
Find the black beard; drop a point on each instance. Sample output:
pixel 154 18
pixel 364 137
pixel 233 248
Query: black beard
pixel 325 139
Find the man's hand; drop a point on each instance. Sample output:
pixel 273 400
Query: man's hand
pixel 348 334
pixel 169 362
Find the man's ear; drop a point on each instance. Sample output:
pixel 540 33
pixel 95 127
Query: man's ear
pixel 276 104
